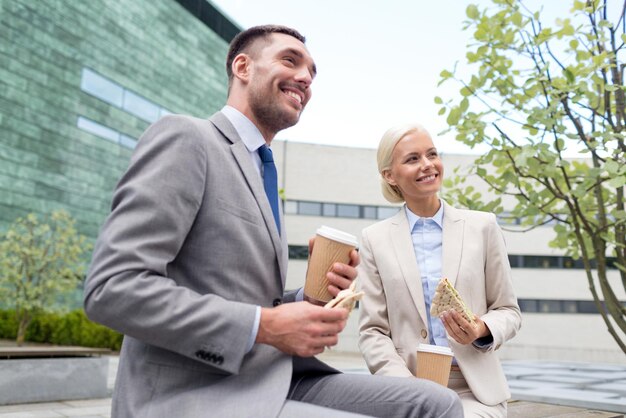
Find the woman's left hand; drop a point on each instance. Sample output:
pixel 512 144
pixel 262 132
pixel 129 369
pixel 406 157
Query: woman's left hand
pixel 461 330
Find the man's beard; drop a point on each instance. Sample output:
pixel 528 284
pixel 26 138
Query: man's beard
pixel 270 114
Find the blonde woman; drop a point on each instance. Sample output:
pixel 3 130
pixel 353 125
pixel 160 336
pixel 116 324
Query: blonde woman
pixel 403 259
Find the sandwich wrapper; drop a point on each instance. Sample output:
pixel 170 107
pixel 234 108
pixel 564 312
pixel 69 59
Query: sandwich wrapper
pixel 346 298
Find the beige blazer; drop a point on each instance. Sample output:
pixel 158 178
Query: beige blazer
pixel 393 317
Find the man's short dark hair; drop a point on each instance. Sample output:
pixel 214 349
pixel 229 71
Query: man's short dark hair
pixel 243 40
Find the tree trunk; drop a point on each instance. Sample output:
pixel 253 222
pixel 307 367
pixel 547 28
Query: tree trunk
pixel 24 321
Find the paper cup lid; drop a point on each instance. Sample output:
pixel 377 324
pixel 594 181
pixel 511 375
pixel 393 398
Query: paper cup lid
pixel 337 235
pixel 437 349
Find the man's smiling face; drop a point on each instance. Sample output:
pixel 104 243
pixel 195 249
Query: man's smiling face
pixel 279 87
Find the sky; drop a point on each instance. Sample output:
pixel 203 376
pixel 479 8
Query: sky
pixel 378 64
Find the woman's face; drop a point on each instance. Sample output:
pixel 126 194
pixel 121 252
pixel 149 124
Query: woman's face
pixel 416 167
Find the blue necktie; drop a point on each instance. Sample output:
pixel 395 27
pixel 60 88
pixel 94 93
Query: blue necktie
pixel 270 181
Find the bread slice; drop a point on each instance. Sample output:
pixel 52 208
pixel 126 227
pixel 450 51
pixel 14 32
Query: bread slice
pixel 447 298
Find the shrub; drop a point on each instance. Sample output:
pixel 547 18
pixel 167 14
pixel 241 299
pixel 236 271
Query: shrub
pixel 8 325
pixel 73 328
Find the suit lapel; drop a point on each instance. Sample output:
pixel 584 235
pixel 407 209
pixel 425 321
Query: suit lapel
pixel 403 248
pixel 452 244
pixel 242 156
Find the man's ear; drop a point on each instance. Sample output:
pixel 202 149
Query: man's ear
pixel 241 67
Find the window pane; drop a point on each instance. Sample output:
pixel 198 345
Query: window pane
pixel 587 306
pixel 558 306
pixel 369 212
pixel 140 107
pixel 164 112
pixel 348 211
pixel 298 252
pixel 528 305
pixel 101 87
pixel 291 207
pixel 97 129
pixel 527 261
pixel 127 141
pixel 515 260
pixel 548 262
pixel 570 263
pixel 531 261
pixel 329 209
pixel 569 306
pixel 310 208
pixel 385 212
pixel 549 306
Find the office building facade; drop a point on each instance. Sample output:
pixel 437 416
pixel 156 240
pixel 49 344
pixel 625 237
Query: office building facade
pixel 80 82
pixel 339 187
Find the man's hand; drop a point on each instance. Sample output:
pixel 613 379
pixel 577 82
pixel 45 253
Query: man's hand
pixel 341 275
pixel 300 328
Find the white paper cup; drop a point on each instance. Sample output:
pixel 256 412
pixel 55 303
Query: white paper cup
pixel 433 363
pixel 331 246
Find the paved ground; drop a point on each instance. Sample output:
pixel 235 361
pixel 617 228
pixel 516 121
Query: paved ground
pixel 597 386
pixel 586 390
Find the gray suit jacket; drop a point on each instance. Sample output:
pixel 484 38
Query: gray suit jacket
pixel 189 249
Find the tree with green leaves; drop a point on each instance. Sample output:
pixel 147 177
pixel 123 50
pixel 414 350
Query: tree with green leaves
pixel 39 262
pixel 548 104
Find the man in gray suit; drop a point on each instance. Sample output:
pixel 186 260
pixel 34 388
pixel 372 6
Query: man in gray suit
pixel 191 265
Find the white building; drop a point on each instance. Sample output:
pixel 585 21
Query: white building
pixel 339 187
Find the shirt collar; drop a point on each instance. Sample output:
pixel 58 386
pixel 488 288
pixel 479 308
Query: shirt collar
pixel 413 218
pixel 248 132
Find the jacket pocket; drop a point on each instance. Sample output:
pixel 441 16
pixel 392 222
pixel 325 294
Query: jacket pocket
pixel 252 217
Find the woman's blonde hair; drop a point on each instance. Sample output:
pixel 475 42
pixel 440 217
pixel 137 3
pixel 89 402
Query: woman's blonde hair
pixel 384 157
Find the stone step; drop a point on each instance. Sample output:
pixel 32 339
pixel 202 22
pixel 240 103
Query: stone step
pixel 525 409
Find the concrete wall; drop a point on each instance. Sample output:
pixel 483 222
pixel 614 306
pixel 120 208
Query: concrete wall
pixel 52 379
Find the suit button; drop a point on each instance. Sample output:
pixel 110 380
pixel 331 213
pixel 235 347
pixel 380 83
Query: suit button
pixel 424 333
pixel 277 302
